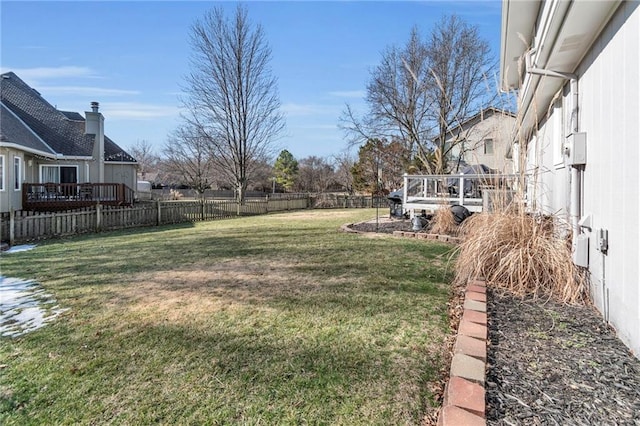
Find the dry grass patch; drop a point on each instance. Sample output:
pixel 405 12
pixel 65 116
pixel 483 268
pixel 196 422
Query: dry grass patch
pixel 223 286
pixel 521 253
pixel 443 222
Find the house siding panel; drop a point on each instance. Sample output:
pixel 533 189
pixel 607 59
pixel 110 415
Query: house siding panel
pixel 551 181
pixel 610 116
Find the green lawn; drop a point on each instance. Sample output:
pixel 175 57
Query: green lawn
pixel 277 319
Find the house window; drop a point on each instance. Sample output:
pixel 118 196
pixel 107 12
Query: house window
pixel 558 135
pixel 1 172
pixel 17 173
pixel 488 146
pixel 59 174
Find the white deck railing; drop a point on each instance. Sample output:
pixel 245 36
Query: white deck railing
pixel 427 192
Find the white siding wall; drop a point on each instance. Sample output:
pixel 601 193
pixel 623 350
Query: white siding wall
pixel 121 173
pixel 549 176
pixel 496 126
pixel 609 113
pixel 610 116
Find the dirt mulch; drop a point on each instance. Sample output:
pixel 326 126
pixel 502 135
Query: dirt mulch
pixel 554 364
pixel 384 226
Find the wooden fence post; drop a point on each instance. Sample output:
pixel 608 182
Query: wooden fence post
pixel 12 227
pixel 158 216
pixel 98 216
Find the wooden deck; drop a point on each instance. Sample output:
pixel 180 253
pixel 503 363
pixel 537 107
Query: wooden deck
pixel 430 192
pixel 69 196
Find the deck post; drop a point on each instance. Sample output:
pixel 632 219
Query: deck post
pixel 405 181
pixel 461 189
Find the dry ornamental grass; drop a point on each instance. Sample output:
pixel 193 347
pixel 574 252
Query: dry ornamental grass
pixel 521 253
pixel 443 222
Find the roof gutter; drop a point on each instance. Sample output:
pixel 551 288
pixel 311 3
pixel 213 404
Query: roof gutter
pixel 43 153
pixel 29 150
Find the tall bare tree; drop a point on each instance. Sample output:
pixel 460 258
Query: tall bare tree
pixel 231 95
pixel 424 89
pixel 397 99
pixel 187 157
pixel 459 60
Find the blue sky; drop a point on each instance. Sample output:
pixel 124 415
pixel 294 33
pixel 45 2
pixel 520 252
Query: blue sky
pixel 132 57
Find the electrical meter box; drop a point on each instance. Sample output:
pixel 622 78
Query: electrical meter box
pixel 576 149
pixel 581 251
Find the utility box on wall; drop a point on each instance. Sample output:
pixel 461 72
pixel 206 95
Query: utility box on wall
pixel 576 149
pixel 581 251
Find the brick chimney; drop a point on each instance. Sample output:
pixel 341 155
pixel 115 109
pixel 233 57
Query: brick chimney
pixel 94 125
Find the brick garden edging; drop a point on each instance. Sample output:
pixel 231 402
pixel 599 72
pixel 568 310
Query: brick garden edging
pixel 464 395
pixel 422 235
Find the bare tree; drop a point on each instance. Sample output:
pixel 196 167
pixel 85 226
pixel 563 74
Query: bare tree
pixel 231 96
pixel 397 99
pixel 459 60
pixel 147 160
pixel 188 157
pixel 315 174
pixel 342 164
pixel 422 90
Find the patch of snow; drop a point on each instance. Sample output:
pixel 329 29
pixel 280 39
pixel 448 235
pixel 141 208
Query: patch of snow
pixel 17 249
pixel 24 306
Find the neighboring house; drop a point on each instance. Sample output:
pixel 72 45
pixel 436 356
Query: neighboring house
pixel 53 160
pixel 575 65
pixel 485 139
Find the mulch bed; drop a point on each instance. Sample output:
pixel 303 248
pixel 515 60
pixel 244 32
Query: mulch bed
pixel 384 226
pixel 555 364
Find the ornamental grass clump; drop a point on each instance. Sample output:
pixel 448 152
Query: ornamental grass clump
pixel 522 254
pixel 443 222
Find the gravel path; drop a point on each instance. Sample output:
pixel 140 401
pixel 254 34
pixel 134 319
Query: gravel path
pixel 553 364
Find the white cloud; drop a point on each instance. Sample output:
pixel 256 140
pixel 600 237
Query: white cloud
pixel 352 94
pixel 43 73
pixel 85 91
pixel 137 111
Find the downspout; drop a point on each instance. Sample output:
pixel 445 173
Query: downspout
pixel 575 208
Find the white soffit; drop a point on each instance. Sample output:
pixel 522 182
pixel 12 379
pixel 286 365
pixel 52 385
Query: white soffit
pixel 518 25
pixel 582 25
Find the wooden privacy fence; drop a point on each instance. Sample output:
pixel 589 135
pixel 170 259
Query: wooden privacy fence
pixel 22 226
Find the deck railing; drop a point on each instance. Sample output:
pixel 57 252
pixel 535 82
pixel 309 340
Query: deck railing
pixel 430 191
pixel 66 196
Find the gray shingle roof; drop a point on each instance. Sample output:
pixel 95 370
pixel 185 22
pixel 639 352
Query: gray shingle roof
pixel 62 131
pixel 12 130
